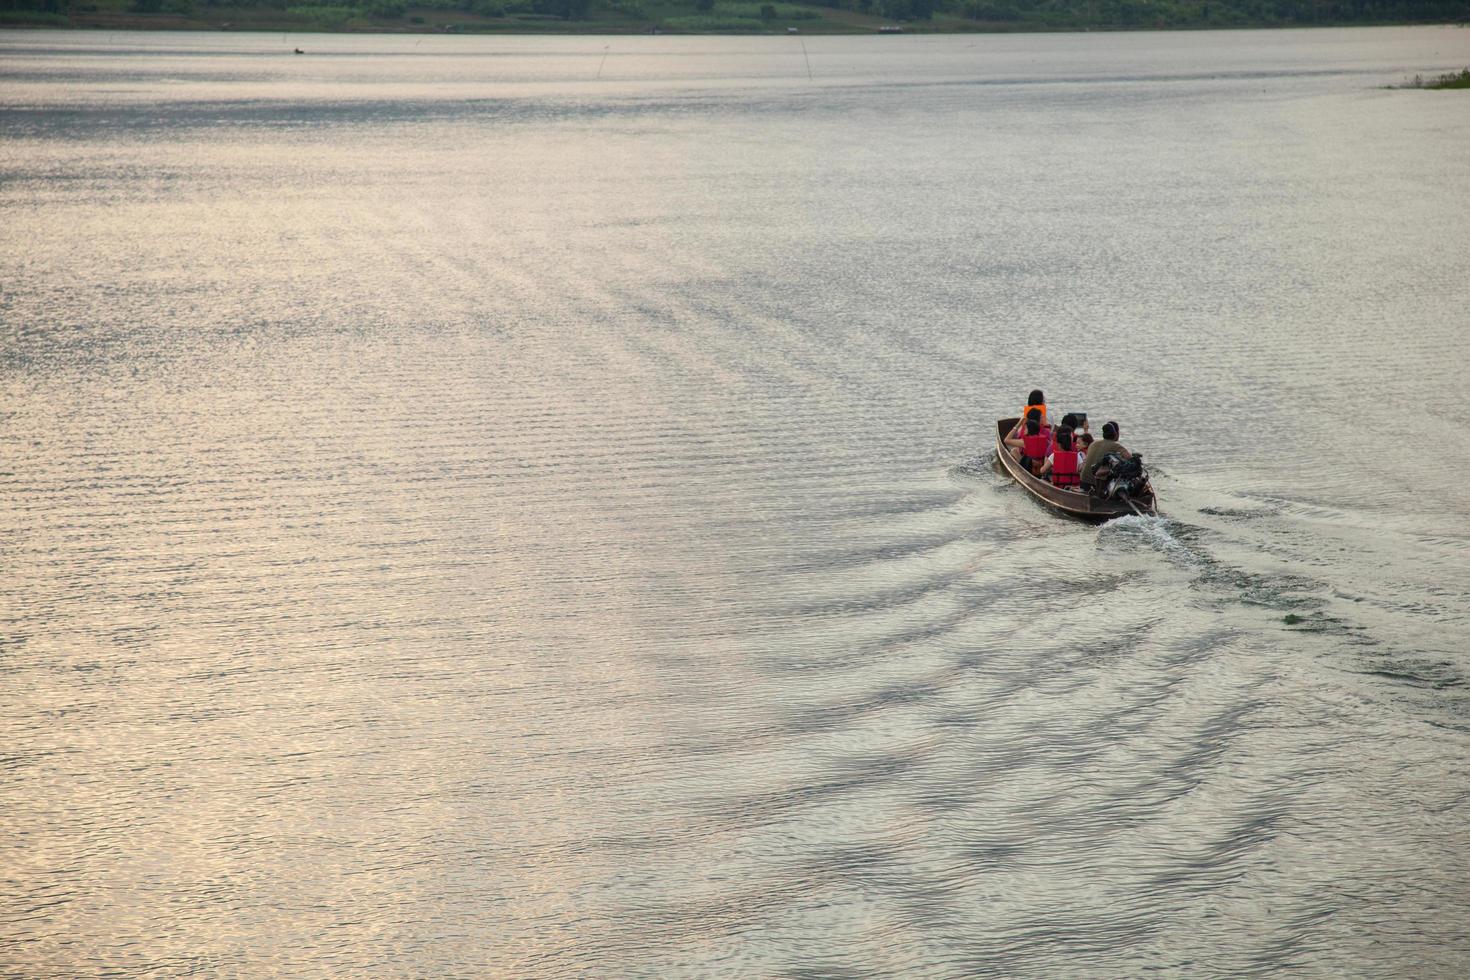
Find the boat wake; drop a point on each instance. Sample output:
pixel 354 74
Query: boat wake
pixel 979 466
pixel 1182 544
pixel 1162 534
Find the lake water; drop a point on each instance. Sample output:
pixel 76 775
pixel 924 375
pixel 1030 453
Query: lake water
pixel 524 506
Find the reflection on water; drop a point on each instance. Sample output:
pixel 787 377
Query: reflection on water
pixel 464 516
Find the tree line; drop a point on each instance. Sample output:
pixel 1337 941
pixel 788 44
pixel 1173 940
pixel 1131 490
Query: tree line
pixel 733 15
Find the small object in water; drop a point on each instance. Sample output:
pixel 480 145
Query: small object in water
pixel 299 51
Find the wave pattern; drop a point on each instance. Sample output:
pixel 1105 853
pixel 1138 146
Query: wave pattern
pixel 554 532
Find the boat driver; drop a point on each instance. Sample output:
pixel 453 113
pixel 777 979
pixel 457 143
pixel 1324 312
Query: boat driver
pixel 1100 448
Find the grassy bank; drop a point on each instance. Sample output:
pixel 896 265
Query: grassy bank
pixel 715 16
pixel 1454 79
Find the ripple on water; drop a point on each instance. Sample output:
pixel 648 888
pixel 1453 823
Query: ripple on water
pixel 463 515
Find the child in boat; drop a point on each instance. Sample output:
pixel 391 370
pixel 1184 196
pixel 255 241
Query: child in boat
pixel 1035 400
pixel 1078 427
pixel 1019 429
pixel 1063 464
pixel 1030 449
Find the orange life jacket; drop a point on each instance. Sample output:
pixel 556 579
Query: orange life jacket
pixel 1027 410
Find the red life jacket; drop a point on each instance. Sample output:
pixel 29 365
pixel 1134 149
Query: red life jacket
pixel 1064 468
pixel 1035 447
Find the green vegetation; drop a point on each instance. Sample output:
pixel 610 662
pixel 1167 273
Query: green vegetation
pixel 730 16
pixel 1454 79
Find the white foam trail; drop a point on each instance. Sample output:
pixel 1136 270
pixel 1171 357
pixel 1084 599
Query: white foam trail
pixel 1156 531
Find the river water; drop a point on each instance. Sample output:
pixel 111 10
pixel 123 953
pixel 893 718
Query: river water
pixel 524 506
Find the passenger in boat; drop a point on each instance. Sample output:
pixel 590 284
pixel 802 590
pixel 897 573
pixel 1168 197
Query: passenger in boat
pixel 1078 427
pixel 1107 444
pixel 1032 448
pixel 1035 400
pixel 1019 430
pixel 1064 462
pixel 1039 410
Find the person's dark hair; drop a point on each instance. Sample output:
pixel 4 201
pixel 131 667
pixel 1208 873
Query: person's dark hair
pixel 1110 430
pixel 1064 438
pixel 1033 426
pixel 1037 398
pixel 1086 438
pixel 1069 420
pixel 1034 415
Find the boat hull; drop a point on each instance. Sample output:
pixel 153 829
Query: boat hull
pixel 1073 503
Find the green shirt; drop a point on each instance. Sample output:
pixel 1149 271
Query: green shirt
pixel 1095 454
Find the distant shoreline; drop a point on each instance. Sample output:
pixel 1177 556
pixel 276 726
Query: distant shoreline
pixel 613 18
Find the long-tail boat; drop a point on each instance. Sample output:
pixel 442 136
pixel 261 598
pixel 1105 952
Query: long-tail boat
pixel 1075 502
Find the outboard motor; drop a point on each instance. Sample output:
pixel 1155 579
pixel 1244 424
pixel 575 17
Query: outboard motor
pixel 1126 477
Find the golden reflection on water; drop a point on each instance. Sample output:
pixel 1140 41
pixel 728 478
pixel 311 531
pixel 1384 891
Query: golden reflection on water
pixel 460 519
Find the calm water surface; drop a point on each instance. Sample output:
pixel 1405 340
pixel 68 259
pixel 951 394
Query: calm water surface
pixel 523 506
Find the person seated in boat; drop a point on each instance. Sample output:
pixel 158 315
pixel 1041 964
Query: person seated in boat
pixel 1038 401
pixel 1031 449
pixel 1099 449
pixel 1078 427
pixel 1035 402
pixel 1064 463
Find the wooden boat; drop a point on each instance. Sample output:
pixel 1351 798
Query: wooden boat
pixel 1074 502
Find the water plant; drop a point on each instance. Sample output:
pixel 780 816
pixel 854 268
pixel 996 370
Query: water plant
pixel 1454 79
